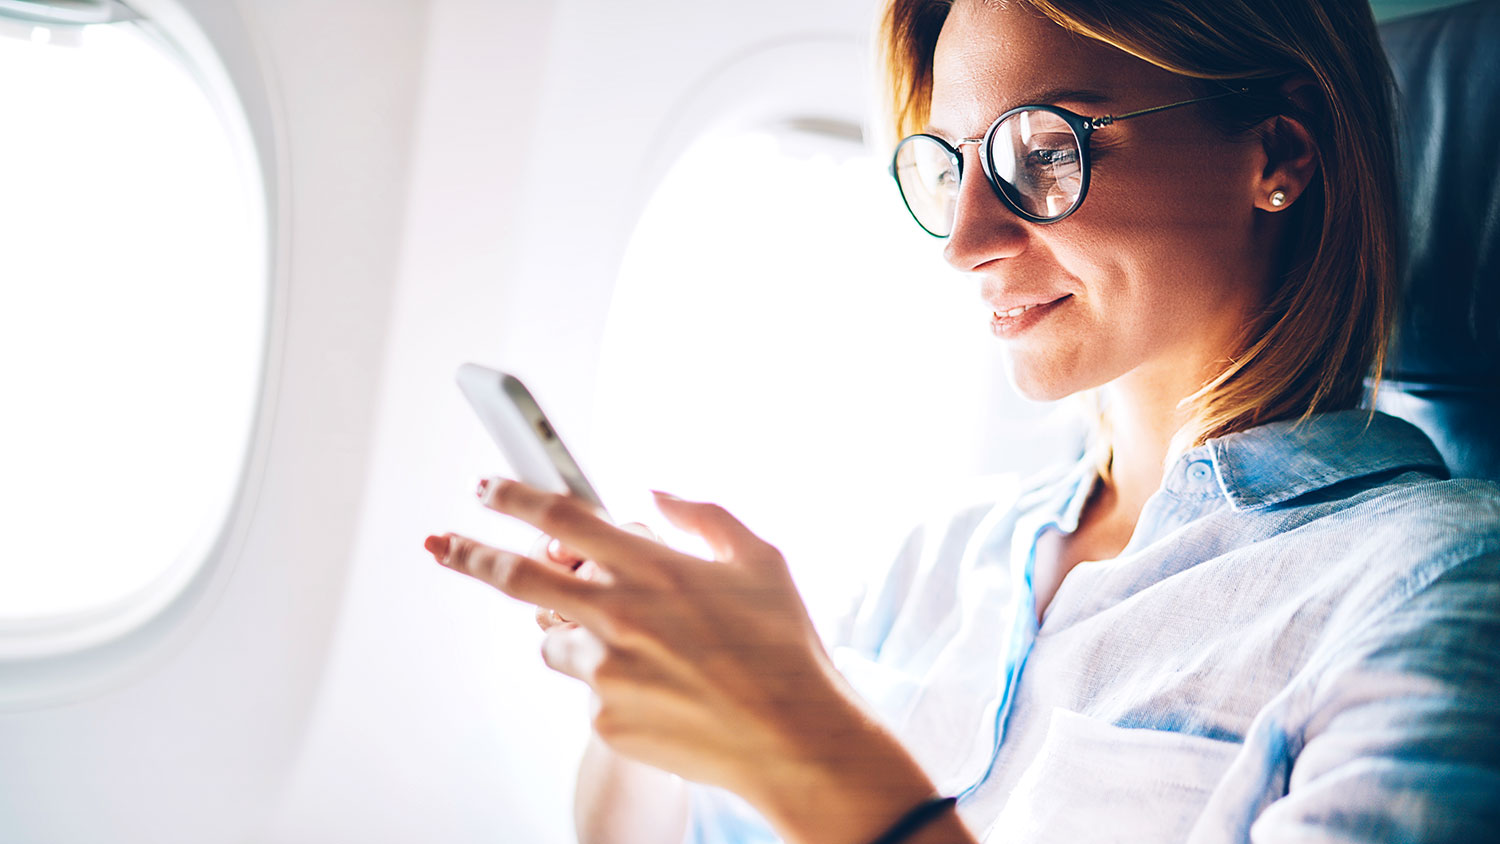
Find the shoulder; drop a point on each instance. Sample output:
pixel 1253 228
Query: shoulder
pixel 1415 564
pixel 981 508
pixel 1365 494
pixel 963 524
pixel 1390 540
pixel 1436 534
pixel 917 588
pixel 1409 526
pixel 1396 704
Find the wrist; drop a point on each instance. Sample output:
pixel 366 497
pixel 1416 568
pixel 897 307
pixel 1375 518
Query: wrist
pixel 848 787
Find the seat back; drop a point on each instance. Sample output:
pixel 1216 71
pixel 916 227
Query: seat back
pixel 1444 370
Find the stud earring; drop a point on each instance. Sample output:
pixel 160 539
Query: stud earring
pixel 1278 198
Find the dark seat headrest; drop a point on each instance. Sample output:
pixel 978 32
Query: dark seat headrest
pixel 1444 370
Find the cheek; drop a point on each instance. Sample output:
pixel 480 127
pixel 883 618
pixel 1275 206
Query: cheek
pixel 1158 240
pixel 1189 184
pixel 1172 227
pixel 1157 259
pixel 1142 290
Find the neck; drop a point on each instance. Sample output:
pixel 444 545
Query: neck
pixel 1143 419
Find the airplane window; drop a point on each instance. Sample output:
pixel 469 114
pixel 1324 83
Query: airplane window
pixel 784 341
pixel 132 316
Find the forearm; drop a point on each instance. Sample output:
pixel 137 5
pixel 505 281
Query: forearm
pixel 621 801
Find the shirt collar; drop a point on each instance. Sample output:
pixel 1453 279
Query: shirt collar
pixel 1276 462
pixel 1060 501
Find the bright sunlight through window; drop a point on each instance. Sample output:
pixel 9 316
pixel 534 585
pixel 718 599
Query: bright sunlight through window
pixel 785 341
pixel 132 310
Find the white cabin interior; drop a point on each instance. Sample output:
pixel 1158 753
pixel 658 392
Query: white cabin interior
pixel 671 217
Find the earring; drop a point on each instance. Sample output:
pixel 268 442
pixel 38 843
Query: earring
pixel 1278 198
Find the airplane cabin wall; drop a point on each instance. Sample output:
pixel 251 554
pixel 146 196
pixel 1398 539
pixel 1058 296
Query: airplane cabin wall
pixel 451 180
pixel 437 194
pixel 542 130
pixel 188 734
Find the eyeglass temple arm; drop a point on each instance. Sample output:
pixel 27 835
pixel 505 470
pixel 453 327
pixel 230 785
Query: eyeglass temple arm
pixel 1101 122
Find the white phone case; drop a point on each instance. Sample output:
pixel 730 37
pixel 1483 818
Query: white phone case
pixel 528 441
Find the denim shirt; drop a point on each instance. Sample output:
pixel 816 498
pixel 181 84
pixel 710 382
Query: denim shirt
pixel 1301 642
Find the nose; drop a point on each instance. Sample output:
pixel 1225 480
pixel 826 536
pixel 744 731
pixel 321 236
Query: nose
pixel 984 229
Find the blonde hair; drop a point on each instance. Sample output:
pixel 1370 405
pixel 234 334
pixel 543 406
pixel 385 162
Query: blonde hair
pixel 1324 327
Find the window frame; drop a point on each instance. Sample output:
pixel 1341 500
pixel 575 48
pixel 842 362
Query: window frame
pixel 69 656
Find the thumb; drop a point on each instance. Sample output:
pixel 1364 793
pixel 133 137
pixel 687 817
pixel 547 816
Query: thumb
pixel 726 536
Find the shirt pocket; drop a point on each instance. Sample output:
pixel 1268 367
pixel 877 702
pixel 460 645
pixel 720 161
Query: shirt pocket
pixel 1093 781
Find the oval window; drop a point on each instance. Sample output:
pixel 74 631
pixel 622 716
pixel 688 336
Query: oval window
pixel 133 293
pixel 783 339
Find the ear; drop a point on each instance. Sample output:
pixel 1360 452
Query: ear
pixel 1290 151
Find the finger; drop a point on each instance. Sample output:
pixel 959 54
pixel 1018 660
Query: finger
pixel 726 536
pixel 549 618
pixel 547 547
pixel 517 576
pixel 550 550
pixel 571 521
pixel 560 553
pixel 554 551
pixel 574 651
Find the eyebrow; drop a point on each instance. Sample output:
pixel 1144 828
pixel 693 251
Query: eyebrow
pixel 1052 96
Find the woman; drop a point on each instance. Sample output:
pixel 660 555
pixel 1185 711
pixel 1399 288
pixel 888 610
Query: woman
pixel 1250 613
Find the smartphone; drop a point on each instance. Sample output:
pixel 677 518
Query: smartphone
pixel 529 442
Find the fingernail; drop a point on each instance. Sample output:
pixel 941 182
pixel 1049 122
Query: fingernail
pixel 659 494
pixel 484 485
pixel 437 546
pixel 639 529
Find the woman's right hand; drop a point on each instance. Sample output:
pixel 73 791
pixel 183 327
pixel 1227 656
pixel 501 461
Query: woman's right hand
pixel 553 551
pixel 618 800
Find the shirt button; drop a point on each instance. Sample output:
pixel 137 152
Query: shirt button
pixel 1199 471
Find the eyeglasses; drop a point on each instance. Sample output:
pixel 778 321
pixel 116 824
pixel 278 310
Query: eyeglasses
pixel 1036 157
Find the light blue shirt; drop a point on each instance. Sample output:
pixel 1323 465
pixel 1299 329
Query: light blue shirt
pixel 1301 642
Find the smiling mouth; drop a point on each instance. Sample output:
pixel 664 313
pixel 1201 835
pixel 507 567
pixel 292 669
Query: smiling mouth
pixel 1015 312
pixel 1015 321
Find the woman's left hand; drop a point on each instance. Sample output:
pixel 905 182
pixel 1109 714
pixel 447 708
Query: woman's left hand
pixel 708 669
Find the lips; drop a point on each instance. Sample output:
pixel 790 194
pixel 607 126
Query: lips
pixel 1015 312
pixel 1014 306
pixel 1018 318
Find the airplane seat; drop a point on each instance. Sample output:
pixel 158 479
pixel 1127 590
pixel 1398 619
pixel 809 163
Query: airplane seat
pixel 1443 373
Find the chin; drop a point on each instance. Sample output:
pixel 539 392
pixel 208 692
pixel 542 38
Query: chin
pixel 1041 383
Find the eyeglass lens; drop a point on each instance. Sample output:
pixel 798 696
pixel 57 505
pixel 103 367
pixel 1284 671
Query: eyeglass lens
pixel 927 173
pixel 1034 156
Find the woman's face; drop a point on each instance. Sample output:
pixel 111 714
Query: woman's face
pixel 1152 279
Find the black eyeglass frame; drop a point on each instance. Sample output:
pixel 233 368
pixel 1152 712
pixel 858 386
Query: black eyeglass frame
pixel 1083 128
